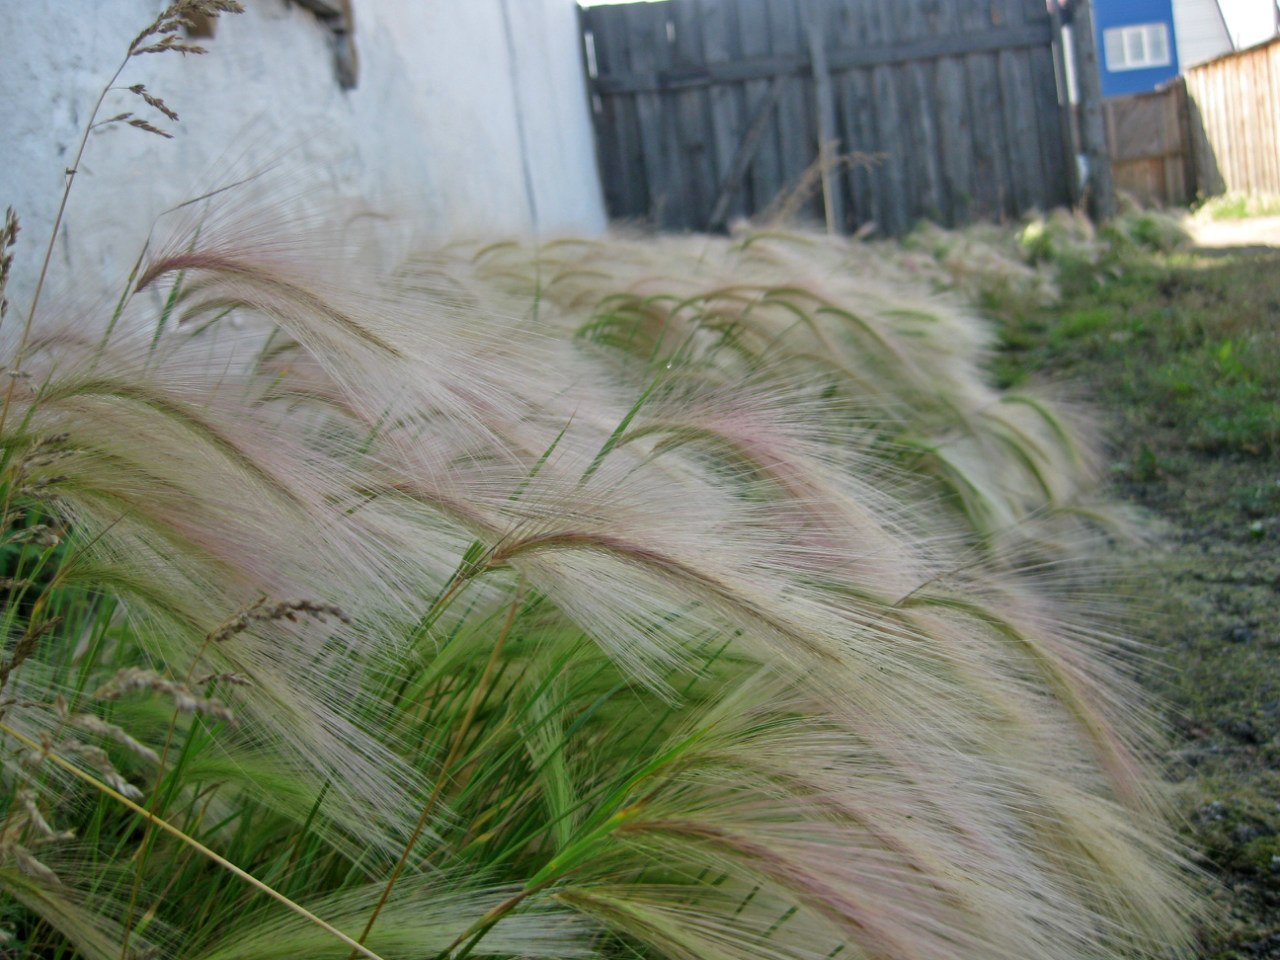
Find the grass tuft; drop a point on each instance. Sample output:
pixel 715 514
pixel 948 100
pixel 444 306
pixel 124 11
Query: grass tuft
pixel 337 626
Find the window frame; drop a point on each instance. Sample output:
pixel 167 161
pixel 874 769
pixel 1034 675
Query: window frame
pixel 1120 40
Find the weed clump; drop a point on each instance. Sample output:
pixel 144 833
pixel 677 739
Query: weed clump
pixel 673 650
pixel 987 266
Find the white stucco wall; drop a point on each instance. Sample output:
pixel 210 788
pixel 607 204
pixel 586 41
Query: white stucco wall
pixel 470 116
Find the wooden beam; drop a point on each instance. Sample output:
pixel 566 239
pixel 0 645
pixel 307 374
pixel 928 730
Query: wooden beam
pixel 746 153
pixel 764 68
pixel 1101 186
pixel 828 140
pixel 1066 112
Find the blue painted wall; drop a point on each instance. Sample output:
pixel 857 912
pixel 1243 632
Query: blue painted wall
pixel 1124 13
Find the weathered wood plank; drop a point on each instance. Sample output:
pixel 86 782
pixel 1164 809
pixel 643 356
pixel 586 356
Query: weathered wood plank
pixel 1185 166
pixel 829 144
pixel 852 30
pixel 1051 124
pixel 1102 197
pixel 608 136
pixel 959 96
pixel 609 29
pixel 765 176
pixel 830 17
pixel 990 177
pixel 732 185
pixel 937 19
pixel 854 107
pixel 660 27
pixel 797 127
pixel 955 138
pixel 1006 12
pixel 1268 129
pixel 719 21
pixel 942 18
pixel 755 65
pixel 695 147
pixel 908 23
pixel 918 130
pixel 644 50
pixel 1020 132
pixel 1065 112
pixel 892 174
pixel 1233 103
pixel 974 17
pixel 930 197
pixel 1153 172
pixel 1271 104
pixel 1033 11
pixel 879 23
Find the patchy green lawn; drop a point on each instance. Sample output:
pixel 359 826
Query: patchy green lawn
pixel 1181 355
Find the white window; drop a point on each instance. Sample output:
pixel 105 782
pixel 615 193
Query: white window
pixel 1138 47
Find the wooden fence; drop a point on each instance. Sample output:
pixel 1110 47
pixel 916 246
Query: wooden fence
pixel 711 109
pixel 1234 111
pixel 1216 129
pixel 1148 139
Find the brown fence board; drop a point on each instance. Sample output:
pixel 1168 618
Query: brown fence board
pixel 1234 120
pixel 960 98
pixel 1217 129
pixel 1147 141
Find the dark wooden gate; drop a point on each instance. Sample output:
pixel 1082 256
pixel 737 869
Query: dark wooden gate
pixel 856 111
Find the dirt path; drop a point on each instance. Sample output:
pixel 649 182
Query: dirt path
pixel 1248 233
pixel 1182 357
pixel 1196 447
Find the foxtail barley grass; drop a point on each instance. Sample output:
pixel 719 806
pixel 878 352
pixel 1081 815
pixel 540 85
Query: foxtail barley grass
pixel 667 597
